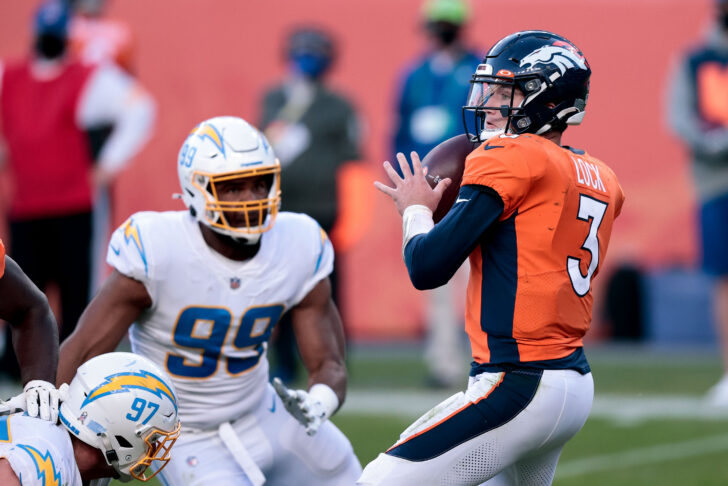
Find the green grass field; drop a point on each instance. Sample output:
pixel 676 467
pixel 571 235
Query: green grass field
pixel 648 425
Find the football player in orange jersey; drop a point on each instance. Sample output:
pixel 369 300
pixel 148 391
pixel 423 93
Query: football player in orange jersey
pixel 35 338
pixel 534 217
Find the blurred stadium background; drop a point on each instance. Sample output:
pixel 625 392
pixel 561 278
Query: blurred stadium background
pixel 201 59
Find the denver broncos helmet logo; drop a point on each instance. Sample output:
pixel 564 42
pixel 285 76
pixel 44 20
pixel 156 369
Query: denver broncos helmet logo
pixel 123 382
pixel 44 466
pixel 563 57
pixel 209 131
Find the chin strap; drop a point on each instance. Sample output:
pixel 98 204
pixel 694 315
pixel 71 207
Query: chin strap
pixel 111 457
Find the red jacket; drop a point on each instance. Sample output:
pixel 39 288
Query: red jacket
pixel 48 153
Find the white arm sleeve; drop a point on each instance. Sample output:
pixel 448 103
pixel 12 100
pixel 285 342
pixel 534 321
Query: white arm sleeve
pixel 416 220
pixel 112 96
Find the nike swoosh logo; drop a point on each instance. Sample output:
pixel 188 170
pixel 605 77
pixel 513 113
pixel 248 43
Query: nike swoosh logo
pixel 273 407
pixel 116 250
pixel 488 147
pixel 461 200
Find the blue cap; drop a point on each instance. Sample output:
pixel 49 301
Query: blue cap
pixel 52 18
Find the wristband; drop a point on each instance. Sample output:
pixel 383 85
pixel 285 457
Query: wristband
pixel 326 396
pixel 416 220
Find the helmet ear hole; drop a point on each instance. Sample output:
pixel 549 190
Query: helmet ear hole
pixel 123 442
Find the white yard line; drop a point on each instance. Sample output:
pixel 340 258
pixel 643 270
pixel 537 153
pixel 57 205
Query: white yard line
pixel 621 408
pixel 644 455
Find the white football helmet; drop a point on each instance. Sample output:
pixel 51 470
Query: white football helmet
pixel 125 406
pixel 222 149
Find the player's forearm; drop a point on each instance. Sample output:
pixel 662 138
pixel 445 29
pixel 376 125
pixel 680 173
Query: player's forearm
pixel 81 346
pixel 35 341
pixel 71 357
pixel 433 257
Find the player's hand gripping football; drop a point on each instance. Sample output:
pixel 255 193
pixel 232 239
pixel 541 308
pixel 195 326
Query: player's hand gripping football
pixel 413 188
pixel 39 399
pixel 310 412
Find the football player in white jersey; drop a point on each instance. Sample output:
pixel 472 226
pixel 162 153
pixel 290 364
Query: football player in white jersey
pixel 119 417
pixel 200 292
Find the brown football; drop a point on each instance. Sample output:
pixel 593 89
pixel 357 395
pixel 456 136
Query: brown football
pixel 447 160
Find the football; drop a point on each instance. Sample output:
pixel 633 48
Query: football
pixel 447 160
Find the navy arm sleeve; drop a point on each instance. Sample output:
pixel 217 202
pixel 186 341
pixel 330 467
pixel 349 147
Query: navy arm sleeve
pixel 433 258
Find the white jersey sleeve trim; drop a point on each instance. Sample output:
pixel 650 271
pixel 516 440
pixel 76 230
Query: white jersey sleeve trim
pixel 131 251
pixel 322 266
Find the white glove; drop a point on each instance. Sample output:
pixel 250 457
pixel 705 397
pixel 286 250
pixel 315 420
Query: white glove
pixel 310 408
pixel 12 405
pixel 42 400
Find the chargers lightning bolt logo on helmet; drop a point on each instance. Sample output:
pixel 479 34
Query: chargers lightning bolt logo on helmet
pixel 44 465
pixel 206 130
pixel 122 382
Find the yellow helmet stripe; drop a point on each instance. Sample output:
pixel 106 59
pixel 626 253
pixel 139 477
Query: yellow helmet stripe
pixel 122 382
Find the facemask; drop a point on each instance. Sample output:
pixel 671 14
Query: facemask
pixel 50 46
pixel 445 32
pixel 311 65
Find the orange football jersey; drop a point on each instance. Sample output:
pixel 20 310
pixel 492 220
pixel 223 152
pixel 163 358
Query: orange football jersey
pixel 2 259
pixel 529 295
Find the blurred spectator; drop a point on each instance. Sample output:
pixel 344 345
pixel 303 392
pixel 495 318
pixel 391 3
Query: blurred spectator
pixel 95 39
pixel 47 100
pixel 698 113
pixel 429 112
pixel 314 131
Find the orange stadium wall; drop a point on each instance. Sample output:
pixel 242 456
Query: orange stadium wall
pixel 205 58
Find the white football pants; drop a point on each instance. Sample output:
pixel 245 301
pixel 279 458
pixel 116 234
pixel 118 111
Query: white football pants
pixel 508 426
pixel 268 447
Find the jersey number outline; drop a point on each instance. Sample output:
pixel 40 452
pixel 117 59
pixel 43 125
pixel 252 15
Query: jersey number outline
pixel 594 210
pixel 255 328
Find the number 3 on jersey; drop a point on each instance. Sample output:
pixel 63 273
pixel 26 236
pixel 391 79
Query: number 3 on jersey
pixel 255 328
pixel 589 209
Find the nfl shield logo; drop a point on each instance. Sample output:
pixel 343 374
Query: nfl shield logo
pixel 234 283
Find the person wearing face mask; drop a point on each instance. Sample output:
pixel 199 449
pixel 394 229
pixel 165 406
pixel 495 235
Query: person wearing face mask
pixel 47 102
pixel 698 115
pixel 428 112
pixel 314 132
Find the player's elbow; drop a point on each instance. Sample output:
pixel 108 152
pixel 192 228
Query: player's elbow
pixel 33 311
pixel 426 277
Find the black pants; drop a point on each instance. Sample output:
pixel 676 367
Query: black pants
pixel 54 250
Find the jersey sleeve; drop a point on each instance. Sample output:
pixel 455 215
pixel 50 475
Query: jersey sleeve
pixel 320 253
pixel 35 455
pixel 505 165
pixel 130 251
pixel 2 259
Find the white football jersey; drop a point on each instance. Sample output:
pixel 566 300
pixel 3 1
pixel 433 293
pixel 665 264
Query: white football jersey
pixel 40 453
pixel 211 317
